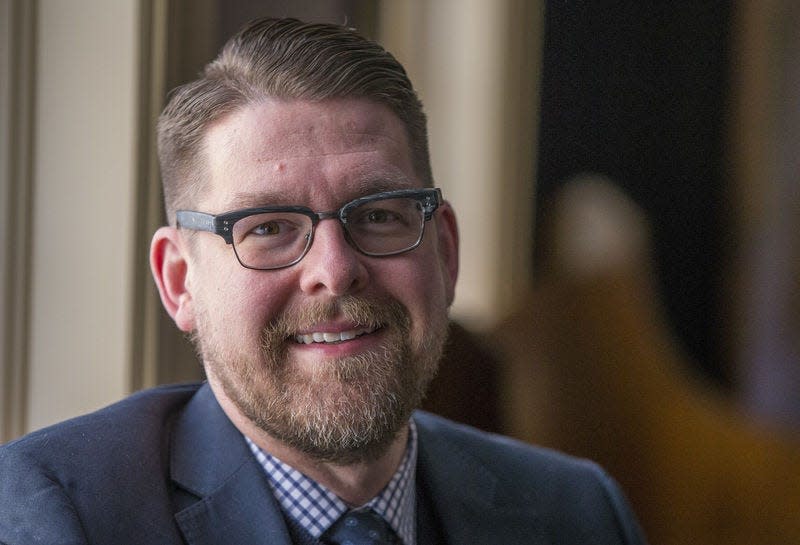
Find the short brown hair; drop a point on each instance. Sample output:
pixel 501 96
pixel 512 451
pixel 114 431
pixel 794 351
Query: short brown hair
pixel 281 58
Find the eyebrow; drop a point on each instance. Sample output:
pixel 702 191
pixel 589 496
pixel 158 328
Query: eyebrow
pixel 276 198
pixel 253 200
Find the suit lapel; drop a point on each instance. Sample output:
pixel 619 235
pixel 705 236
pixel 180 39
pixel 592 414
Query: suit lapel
pixel 234 505
pixel 467 495
pixel 210 460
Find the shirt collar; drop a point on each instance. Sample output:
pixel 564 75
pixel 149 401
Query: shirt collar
pixel 316 508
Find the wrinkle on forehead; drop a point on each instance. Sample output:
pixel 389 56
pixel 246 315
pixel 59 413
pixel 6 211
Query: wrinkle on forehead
pixel 269 197
pixel 318 143
pixel 349 146
pixel 293 125
pixel 301 129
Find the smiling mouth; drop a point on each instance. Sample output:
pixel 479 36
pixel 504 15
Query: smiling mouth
pixel 333 337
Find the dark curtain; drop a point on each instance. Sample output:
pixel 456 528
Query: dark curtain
pixel 637 91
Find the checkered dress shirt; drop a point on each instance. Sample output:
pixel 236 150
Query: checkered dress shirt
pixel 315 508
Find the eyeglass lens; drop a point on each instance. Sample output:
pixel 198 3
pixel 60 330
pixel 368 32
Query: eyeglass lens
pixel 376 227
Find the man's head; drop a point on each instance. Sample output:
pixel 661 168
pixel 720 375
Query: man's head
pixel 330 349
pixel 280 58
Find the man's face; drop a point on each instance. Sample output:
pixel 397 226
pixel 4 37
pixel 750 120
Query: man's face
pixel 382 320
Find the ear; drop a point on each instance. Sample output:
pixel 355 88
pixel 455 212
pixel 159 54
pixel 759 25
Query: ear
pixel 447 230
pixel 169 265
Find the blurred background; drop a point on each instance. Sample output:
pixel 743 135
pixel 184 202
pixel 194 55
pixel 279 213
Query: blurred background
pixel 626 180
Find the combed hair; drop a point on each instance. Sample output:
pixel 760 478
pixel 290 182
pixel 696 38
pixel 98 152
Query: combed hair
pixel 284 59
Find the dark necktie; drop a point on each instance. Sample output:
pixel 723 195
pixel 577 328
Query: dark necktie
pixel 360 528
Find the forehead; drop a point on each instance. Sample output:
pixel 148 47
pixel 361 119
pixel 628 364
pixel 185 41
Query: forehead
pixel 300 151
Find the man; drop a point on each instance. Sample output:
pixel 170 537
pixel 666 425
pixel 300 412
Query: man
pixel 313 263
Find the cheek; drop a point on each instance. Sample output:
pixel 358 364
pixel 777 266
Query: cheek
pixel 241 303
pixel 420 286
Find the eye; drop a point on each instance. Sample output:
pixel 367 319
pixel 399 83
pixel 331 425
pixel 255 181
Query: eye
pixel 266 228
pixel 380 216
pixel 374 217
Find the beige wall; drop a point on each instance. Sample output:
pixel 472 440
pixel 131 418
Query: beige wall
pixel 82 181
pixel 82 215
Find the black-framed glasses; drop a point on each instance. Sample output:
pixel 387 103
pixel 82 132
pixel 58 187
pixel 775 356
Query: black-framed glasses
pixel 274 237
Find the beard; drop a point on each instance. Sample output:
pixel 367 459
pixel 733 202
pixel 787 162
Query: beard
pixel 345 410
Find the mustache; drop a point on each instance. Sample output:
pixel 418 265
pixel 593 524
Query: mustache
pixel 362 311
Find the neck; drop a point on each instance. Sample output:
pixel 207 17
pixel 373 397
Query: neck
pixel 355 483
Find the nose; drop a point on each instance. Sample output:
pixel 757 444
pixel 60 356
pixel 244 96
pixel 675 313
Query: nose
pixel 332 265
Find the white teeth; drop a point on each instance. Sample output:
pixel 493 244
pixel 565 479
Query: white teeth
pixel 329 337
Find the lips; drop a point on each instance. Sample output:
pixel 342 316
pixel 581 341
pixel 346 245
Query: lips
pixel 330 337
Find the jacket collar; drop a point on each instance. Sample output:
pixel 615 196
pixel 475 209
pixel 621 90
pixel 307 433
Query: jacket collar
pixel 474 503
pixel 210 459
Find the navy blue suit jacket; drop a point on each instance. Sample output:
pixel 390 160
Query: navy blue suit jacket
pixel 166 466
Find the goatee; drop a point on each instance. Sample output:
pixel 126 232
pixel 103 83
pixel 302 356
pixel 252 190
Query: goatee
pixel 346 410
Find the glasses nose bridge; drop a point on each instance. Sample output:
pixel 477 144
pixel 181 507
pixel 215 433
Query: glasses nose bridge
pixel 342 220
pixel 332 215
